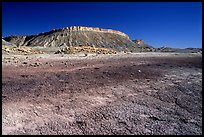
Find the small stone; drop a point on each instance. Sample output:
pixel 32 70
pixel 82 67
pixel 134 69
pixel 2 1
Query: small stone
pixel 37 64
pixel 148 80
pixel 31 65
pixel 24 76
pixel 61 80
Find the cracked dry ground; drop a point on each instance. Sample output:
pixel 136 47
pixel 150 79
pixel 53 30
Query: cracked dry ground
pixel 133 95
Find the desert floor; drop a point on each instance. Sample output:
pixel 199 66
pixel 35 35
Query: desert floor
pixel 143 93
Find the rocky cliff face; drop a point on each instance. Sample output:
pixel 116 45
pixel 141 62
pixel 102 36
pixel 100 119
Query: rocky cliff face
pixel 76 36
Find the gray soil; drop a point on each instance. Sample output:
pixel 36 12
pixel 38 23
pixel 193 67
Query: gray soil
pixel 140 94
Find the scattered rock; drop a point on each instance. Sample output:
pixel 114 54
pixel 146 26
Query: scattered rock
pixel 61 80
pixel 37 64
pixel 24 76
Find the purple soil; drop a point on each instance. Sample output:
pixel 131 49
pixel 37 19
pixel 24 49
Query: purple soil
pixel 133 95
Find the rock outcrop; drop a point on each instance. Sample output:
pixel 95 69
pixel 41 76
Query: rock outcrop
pixel 139 42
pixel 143 46
pixel 76 36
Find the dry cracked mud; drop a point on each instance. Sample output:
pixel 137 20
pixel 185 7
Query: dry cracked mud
pixel 135 94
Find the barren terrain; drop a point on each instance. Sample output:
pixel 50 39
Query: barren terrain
pixel 144 93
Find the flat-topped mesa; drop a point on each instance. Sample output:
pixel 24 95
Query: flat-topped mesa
pixel 81 28
pixel 75 36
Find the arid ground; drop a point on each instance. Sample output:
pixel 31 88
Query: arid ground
pixel 140 94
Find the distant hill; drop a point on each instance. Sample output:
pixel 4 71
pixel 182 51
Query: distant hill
pixel 186 50
pixel 77 36
pixel 144 46
pixel 7 43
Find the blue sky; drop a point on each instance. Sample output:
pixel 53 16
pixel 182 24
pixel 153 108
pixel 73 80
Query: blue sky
pixel 172 24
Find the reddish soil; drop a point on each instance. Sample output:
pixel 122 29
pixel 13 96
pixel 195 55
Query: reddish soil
pixel 127 95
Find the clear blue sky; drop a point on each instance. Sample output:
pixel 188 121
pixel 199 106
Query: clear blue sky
pixel 173 24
